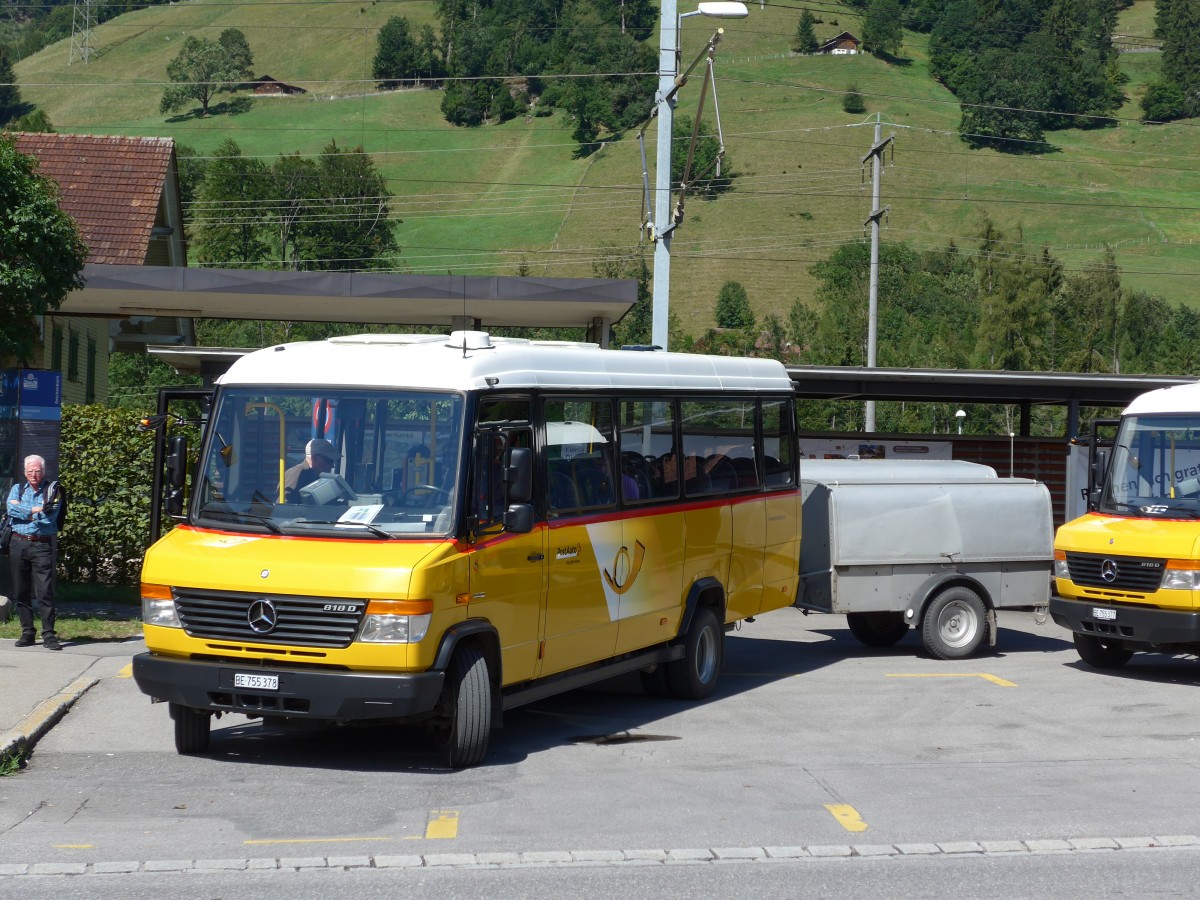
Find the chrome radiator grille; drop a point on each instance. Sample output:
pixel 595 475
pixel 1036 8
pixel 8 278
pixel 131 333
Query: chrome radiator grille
pixel 269 618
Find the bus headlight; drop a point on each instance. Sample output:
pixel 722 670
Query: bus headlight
pixel 158 606
pixel 396 621
pixel 1181 575
pixel 1060 565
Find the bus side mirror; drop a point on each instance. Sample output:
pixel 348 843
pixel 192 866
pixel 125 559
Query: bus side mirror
pixel 518 518
pixel 176 475
pixel 519 475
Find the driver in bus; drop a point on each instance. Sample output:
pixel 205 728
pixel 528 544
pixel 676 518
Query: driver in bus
pixel 319 457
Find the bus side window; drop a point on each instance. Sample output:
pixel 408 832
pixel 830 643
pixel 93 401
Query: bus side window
pixel 580 457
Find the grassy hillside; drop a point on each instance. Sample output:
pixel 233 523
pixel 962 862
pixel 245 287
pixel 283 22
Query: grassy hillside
pixel 490 199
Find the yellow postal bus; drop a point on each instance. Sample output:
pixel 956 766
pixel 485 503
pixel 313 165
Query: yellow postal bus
pixel 1127 573
pixel 477 523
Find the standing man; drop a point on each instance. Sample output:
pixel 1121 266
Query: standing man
pixel 32 553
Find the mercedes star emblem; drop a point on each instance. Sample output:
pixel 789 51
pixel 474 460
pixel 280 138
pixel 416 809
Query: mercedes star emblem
pixel 1108 570
pixel 262 616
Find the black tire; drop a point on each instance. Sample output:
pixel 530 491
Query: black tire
pixel 955 623
pixel 192 734
pixel 1100 653
pixel 695 676
pixel 877 629
pixel 468 699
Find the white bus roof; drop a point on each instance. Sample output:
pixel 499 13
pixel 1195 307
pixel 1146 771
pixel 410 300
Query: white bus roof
pixel 440 362
pixel 1183 398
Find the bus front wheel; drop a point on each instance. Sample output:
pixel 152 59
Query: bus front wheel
pixel 192 732
pixel 695 676
pixel 468 700
pixel 1101 654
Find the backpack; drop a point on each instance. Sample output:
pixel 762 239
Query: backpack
pixel 56 499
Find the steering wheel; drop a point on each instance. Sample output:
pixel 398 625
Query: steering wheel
pixel 423 496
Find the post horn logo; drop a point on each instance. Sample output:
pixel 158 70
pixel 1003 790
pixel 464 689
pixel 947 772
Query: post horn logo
pixel 624 573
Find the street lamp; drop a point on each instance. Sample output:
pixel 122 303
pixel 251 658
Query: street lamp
pixel 960 415
pixel 668 72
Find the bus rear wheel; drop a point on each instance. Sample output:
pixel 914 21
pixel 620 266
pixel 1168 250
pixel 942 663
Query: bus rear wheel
pixel 468 703
pixel 695 676
pixel 192 734
pixel 1101 654
pixel 877 629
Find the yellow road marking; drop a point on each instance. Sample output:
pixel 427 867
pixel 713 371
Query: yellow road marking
pixel 342 840
pixel 442 824
pixel 847 816
pixel 126 671
pixel 73 846
pixel 994 679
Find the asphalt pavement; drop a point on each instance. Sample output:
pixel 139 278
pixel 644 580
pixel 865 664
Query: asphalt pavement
pixel 39 686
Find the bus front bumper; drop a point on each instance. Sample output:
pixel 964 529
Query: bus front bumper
pixel 300 693
pixel 1127 622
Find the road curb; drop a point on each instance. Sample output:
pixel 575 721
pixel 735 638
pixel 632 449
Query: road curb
pixel 22 739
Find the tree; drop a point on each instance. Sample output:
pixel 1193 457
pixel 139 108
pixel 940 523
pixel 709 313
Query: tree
pixel 204 69
pixel 882 33
pixel 397 54
pixel 1176 92
pixel 852 101
pixel 34 122
pixel 231 210
pixel 237 49
pixel 11 105
pixel 733 307
pixel 350 226
pixel 805 40
pixel 41 252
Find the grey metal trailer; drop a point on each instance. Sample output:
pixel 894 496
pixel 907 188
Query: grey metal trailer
pixel 928 544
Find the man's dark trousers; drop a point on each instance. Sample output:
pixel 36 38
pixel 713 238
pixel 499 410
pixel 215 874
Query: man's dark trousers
pixel 33 574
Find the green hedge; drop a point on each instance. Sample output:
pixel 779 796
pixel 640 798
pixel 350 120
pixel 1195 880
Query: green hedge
pixel 107 467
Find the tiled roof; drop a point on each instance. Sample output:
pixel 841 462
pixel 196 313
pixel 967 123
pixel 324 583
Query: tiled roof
pixel 111 186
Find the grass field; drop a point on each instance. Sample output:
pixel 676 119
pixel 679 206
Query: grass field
pixel 490 199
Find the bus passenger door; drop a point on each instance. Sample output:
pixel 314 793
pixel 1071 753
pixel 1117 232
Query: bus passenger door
pixel 508 571
pixel 580 493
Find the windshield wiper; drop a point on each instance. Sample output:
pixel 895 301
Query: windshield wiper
pixel 234 516
pixel 340 526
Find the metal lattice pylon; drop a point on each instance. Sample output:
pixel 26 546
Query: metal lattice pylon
pixel 82 23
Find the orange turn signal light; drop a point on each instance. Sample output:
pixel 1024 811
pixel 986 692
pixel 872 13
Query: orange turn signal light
pixel 399 607
pixel 156 592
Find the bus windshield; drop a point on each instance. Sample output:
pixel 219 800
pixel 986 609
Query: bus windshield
pixel 376 464
pixel 1155 469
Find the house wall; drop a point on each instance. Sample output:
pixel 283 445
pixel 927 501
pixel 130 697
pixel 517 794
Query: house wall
pixel 78 348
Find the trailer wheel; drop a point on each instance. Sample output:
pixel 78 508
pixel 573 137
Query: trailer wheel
pixel 695 676
pixel 1101 654
pixel 468 705
pixel 192 733
pixel 877 629
pixel 955 623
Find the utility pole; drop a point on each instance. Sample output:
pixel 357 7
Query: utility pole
pixel 876 156
pixel 668 68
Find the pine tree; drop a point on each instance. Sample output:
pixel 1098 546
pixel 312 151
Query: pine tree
pixel 733 307
pixel 11 106
pixel 805 40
